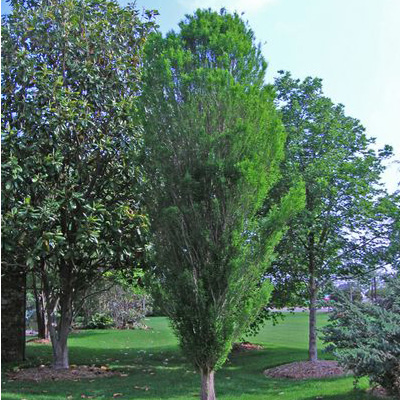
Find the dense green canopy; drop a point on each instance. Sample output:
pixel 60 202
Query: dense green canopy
pixel 70 204
pixel 213 144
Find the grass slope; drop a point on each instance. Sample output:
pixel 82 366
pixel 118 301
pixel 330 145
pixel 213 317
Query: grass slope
pixel 157 370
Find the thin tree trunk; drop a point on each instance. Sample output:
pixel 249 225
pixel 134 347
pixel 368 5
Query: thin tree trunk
pixel 207 385
pixel 58 330
pixel 44 315
pixel 312 342
pixel 41 315
pixel 312 287
pixel 313 292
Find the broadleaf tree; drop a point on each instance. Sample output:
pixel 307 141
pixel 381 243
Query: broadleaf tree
pixel 213 144
pixel 71 206
pixel 343 230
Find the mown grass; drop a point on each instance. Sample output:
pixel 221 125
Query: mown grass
pixel 156 368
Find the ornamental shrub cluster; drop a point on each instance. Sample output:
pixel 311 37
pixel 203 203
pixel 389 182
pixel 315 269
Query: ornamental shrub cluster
pixel 365 337
pixel 118 306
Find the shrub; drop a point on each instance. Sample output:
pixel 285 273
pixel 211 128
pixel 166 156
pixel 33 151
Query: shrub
pixel 127 309
pixel 365 337
pixel 120 303
pixel 100 321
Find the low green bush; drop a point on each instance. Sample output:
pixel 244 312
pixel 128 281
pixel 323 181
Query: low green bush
pixel 100 321
pixel 365 337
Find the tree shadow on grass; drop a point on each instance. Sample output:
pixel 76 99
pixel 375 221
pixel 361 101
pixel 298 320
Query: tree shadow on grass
pixel 162 373
pixel 354 394
pixel 84 333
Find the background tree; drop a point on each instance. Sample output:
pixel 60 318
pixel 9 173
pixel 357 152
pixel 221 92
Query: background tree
pixel 71 200
pixel 343 228
pixel 213 144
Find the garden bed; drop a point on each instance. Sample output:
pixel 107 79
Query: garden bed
pixel 307 370
pixel 45 373
pixel 245 346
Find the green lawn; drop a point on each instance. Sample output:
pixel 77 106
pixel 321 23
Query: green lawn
pixel 152 359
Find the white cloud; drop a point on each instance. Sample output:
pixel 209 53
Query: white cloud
pixel 247 6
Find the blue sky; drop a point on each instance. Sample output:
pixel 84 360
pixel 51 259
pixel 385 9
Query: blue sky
pixel 353 45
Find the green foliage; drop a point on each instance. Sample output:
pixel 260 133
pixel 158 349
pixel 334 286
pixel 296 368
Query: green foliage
pixel 342 219
pixel 213 143
pixel 69 134
pixel 100 321
pixel 365 337
pixel 343 229
pixel 391 208
pixel 71 205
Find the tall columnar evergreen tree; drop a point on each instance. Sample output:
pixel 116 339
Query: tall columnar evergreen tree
pixel 213 144
pixel 343 229
pixel 70 203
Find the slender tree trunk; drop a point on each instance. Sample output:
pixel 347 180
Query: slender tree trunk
pixel 312 287
pixel 313 292
pixel 59 330
pixel 312 338
pixel 207 385
pixel 44 316
pixel 41 315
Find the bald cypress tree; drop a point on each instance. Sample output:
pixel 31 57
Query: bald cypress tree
pixel 213 144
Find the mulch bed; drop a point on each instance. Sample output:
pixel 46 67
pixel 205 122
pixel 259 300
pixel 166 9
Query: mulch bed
pixel 307 370
pixel 40 341
pixel 245 346
pixel 44 373
pixel 379 392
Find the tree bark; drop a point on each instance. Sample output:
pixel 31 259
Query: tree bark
pixel 59 330
pixel 312 286
pixel 60 351
pixel 41 315
pixel 313 292
pixel 312 338
pixel 59 338
pixel 13 306
pixel 43 328
pixel 207 385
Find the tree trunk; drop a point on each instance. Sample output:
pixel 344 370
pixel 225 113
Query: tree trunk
pixel 59 338
pixel 41 315
pixel 207 385
pixel 13 305
pixel 59 330
pixel 43 327
pixel 312 290
pixel 60 352
pixel 312 338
